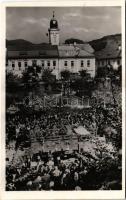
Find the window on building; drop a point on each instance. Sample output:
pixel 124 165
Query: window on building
pixel 19 65
pixel 25 64
pixel 72 63
pixel 42 63
pixel 48 63
pixel 13 65
pixel 82 63
pixel 88 63
pixel 65 63
pixel 54 63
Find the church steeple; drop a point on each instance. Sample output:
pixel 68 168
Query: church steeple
pixel 53 31
pixel 53 22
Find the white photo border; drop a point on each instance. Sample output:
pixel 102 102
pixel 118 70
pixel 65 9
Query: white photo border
pixel 6 195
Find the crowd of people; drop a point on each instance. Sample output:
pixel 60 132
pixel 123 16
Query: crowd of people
pixel 55 121
pixel 98 168
pixel 53 171
pixel 58 171
pixel 46 171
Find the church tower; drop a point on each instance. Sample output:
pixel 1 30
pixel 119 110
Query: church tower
pixel 53 31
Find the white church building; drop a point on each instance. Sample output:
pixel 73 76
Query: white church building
pixel 55 56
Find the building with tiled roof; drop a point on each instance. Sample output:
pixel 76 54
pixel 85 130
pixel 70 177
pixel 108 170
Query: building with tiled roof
pixel 73 51
pixel 86 46
pixel 74 57
pixel 110 55
pixel 32 51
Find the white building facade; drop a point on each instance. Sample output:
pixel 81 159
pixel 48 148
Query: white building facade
pixel 74 59
pixel 110 55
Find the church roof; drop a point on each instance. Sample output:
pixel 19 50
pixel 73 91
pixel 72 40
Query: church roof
pixel 86 46
pixel 47 51
pixel 32 51
pixel 72 51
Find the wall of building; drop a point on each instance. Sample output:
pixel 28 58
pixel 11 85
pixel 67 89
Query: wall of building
pixel 89 66
pixel 40 62
pixel 114 62
pixel 73 69
pixel 12 66
pixel 77 65
pixel 56 65
pixel 54 37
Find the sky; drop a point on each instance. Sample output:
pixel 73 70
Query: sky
pixel 85 23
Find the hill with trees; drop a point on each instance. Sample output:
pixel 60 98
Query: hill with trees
pixel 97 44
pixel 100 44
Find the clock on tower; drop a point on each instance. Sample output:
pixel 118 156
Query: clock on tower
pixel 53 31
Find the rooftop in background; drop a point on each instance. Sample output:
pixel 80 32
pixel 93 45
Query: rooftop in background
pixel 32 51
pixel 25 49
pixel 68 51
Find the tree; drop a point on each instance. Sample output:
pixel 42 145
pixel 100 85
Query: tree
pixel 65 75
pixel 101 161
pixel 12 80
pixel 38 69
pixel 26 76
pixel 120 73
pixel 10 77
pixel 115 88
pixel 102 72
pixel 74 40
pixel 85 75
pixel 84 85
pixel 30 74
pixel 48 77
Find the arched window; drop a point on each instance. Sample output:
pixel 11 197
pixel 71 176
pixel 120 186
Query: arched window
pixel 72 63
pixel 42 63
pixel 19 65
pixel 88 63
pixel 13 65
pixel 25 64
pixel 48 63
pixel 54 63
pixel 82 63
pixel 65 63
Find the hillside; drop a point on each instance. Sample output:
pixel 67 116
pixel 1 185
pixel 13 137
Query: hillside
pixel 101 43
pixel 97 44
pixel 17 42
